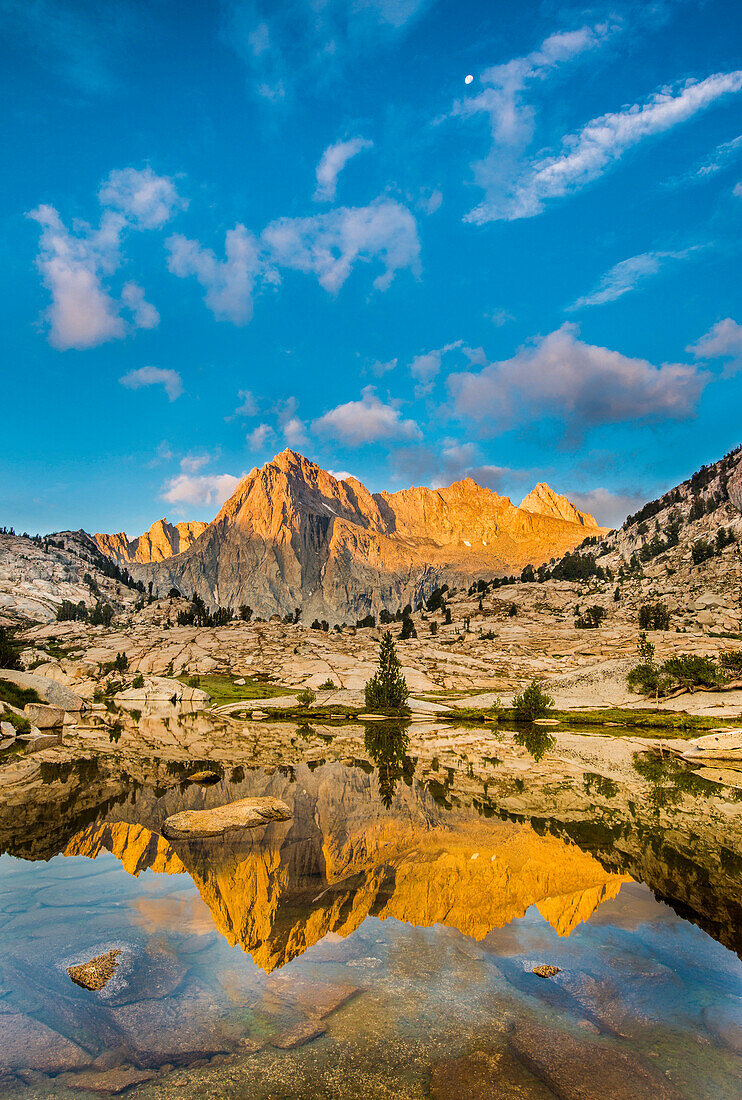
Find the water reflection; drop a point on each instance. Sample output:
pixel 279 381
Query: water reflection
pixel 387 744
pixel 535 740
pixel 401 910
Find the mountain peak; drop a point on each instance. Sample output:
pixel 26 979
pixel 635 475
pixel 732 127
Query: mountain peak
pixel 545 502
pixel 289 460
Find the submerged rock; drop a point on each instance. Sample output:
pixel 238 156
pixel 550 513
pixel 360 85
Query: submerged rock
pixel 579 1069
pixel 109 1082
pixel 546 971
pixel 247 813
pixel 26 1043
pixel 96 973
pixel 485 1075
pixel 299 1035
pixel 314 998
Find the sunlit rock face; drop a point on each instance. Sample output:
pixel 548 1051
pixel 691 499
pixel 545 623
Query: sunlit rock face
pixel 293 536
pixel 543 500
pixel 161 541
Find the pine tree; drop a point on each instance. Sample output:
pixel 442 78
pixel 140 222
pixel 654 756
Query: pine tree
pixel 387 688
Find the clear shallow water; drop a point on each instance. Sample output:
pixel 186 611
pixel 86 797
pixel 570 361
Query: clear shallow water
pixel 398 915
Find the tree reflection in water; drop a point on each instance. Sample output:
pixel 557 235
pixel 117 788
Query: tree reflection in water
pixel 536 740
pixel 387 743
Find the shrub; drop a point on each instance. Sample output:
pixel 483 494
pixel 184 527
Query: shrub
pixel 138 681
pixel 732 662
pixel 686 670
pixel 591 617
pixel 9 653
pixel 576 567
pixel 18 696
pixel 387 688
pixel 408 629
pixel 513 610
pixel 690 670
pixel 701 550
pixel 532 703
pixel 654 616
pixel 327 685
pixel 305 697
pixel 245 612
pixel 434 627
pixel 367 620
pixel 436 600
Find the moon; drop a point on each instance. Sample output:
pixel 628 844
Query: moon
pixel 468 79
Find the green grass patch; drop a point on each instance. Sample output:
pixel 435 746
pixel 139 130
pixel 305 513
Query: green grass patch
pixel 19 724
pixel 60 652
pixel 336 712
pixel 665 723
pixel 18 696
pixel 222 688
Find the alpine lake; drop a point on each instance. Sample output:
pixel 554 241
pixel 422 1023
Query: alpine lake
pixel 382 942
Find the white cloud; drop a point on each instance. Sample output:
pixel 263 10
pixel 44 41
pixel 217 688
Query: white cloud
pixel 500 317
pixel 204 489
pixel 75 265
pixel 626 275
pixel 328 245
pixel 512 118
pixel 331 164
pixel 143 313
pixel 325 245
pixel 379 369
pixel 249 406
pixel 170 380
pixel 82 313
pixel 722 341
pixel 440 467
pixel 339 475
pixel 722 156
pixel 609 508
pixel 738 190
pixel 229 283
pixel 146 199
pixel 366 421
pixel 580 384
pixel 426 367
pixel 258 437
pixel 293 428
pixel 591 151
pixel 191 464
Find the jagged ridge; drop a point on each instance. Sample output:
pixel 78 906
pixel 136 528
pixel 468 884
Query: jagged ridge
pixel 293 536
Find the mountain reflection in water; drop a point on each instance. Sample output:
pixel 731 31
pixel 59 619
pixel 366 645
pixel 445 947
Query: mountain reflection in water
pixel 422 875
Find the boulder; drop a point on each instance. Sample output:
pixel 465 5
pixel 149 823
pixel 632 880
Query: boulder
pixel 108 1082
pixel 247 813
pixel 97 972
pixel 51 692
pixel 299 1035
pixel 571 1065
pixel 726 1024
pixel 44 716
pixel 27 1043
pixel 7 734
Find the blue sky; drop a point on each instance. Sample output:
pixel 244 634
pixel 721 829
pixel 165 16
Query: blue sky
pixel 231 228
